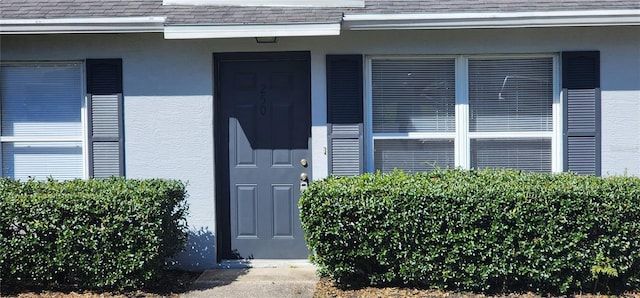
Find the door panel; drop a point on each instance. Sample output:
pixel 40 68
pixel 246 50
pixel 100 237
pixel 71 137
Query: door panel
pixel 245 155
pixel 283 200
pixel 264 110
pixel 247 215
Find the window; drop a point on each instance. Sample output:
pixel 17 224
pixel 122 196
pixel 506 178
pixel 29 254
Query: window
pixel 465 111
pixel 510 113
pixel 42 131
pixel 413 113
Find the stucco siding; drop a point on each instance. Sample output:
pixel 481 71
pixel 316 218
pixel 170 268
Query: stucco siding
pixel 169 100
pixel 620 79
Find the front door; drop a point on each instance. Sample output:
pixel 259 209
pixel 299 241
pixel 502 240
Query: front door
pixel 263 132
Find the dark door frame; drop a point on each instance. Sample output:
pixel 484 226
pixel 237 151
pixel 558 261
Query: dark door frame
pixel 221 146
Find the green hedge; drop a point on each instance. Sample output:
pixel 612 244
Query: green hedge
pixel 489 230
pixel 107 234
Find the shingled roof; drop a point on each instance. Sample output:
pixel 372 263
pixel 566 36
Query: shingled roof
pixel 183 15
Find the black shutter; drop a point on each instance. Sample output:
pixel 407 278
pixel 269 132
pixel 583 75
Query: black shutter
pixel 344 114
pixel 104 92
pixel 581 91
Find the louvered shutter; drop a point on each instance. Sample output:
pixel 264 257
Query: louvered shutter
pixel 104 88
pixel 581 91
pixel 344 114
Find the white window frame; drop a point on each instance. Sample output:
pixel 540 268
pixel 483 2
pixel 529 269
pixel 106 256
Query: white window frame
pixel 462 136
pixel 368 115
pixel 84 139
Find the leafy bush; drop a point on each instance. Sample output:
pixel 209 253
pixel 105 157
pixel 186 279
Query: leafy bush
pixel 108 234
pixel 488 230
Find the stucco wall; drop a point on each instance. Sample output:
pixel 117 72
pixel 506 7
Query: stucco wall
pixel 169 94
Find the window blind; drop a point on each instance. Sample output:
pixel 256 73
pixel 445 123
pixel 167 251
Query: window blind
pixel 413 95
pixel 527 154
pixel 510 94
pixel 413 155
pixel 42 100
pixel 41 160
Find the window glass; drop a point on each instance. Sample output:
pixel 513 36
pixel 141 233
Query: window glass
pixel 41 125
pixel 510 95
pixel 533 154
pixel 510 113
pixel 413 98
pixel 413 155
pixel 41 100
pixel 40 160
pixel 413 95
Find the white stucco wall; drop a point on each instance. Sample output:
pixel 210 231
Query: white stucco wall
pixel 168 89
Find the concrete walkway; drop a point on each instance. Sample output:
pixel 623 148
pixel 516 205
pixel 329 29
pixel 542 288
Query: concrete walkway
pixel 255 282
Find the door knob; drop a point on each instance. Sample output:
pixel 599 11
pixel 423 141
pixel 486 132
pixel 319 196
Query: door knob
pixel 304 176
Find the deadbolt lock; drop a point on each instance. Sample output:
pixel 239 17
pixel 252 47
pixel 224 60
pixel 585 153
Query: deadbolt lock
pixel 303 162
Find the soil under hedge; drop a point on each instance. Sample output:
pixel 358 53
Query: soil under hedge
pixel 171 283
pixel 326 288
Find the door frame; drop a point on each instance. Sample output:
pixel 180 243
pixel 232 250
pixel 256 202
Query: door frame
pixel 221 155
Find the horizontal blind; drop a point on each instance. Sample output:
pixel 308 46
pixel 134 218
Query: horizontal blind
pixel 527 154
pixel 41 160
pixel 413 155
pixel 510 94
pixel 41 100
pixel 413 95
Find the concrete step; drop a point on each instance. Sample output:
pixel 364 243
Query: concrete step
pixel 255 282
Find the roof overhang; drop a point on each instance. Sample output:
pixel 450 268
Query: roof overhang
pixel 270 3
pixel 350 22
pixel 250 30
pixel 82 25
pixel 492 20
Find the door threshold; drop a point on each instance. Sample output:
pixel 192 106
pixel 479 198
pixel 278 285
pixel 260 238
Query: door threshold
pixel 264 263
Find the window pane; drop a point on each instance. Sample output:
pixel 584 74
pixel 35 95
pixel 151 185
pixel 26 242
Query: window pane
pixel 510 94
pixel 413 155
pixel 41 100
pixel 413 95
pixel 523 154
pixel 40 160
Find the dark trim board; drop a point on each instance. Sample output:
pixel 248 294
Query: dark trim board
pixel 221 143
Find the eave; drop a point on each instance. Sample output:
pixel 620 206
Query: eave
pixel 492 20
pixel 250 30
pixel 82 25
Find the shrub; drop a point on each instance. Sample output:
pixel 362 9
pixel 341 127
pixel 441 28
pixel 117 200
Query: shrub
pixel 108 234
pixel 487 230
